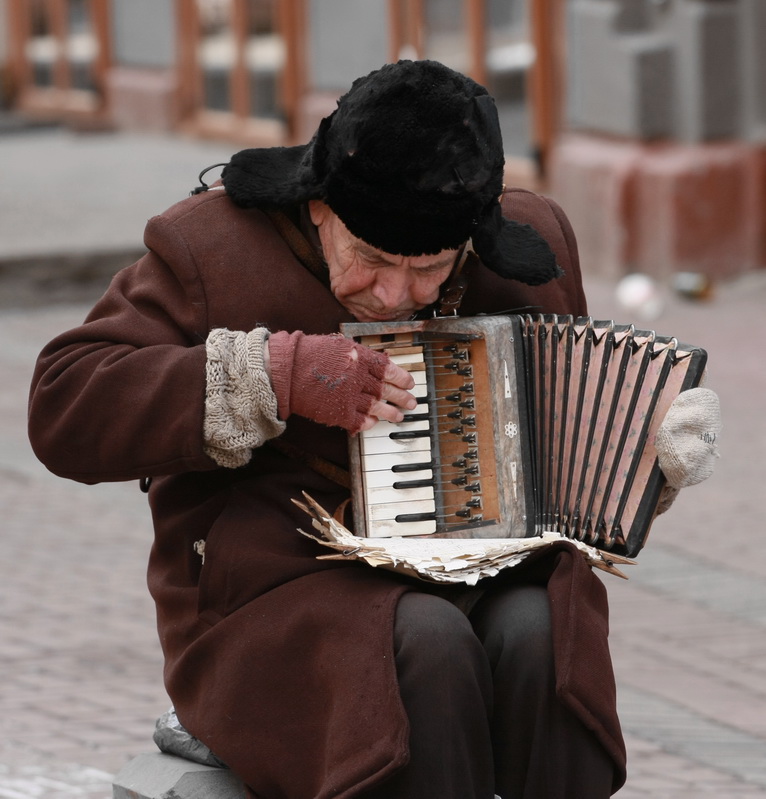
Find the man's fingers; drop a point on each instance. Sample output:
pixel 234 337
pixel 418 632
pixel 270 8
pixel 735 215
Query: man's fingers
pixel 397 396
pixel 398 377
pixel 384 411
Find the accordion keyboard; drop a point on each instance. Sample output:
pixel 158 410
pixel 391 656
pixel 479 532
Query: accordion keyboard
pixel 435 473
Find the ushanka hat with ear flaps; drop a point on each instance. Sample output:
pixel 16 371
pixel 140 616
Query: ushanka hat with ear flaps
pixel 412 162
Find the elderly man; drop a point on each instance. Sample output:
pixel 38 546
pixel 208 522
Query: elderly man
pixel 213 371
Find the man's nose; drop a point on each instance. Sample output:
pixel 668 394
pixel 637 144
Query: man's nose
pixel 393 289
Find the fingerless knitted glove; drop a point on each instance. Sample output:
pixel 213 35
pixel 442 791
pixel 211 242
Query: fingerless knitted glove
pixel 329 379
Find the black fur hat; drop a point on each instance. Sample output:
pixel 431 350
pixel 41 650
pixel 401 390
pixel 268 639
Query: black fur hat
pixel 412 161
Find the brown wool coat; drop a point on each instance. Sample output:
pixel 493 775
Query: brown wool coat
pixel 282 664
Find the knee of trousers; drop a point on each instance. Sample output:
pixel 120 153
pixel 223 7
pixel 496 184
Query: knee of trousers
pixel 514 626
pixel 432 637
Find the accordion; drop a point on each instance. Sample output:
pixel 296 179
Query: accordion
pixel 524 424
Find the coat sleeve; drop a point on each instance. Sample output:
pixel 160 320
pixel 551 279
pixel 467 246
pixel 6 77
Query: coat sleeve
pixel 122 396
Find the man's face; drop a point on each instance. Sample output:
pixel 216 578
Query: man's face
pixel 372 285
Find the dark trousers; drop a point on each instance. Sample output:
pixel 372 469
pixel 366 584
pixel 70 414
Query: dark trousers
pixel 480 697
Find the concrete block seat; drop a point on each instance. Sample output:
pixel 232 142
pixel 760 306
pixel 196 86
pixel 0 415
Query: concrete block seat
pixel 183 768
pixel 158 775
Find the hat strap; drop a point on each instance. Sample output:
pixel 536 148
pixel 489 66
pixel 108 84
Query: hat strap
pixel 455 286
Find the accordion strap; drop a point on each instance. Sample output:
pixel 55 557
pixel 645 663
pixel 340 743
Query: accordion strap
pixel 318 464
pixel 300 245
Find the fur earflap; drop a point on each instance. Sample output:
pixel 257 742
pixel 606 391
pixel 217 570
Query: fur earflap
pixel 513 250
pixel 271 177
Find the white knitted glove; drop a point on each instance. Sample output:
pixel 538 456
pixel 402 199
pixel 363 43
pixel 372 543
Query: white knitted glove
pixel 687 439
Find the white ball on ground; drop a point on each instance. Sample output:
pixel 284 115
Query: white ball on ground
pixel 640 296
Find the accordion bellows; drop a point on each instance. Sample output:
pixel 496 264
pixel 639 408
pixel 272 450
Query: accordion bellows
pixel 525 425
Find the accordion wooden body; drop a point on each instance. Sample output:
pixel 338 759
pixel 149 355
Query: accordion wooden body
pixel 524 424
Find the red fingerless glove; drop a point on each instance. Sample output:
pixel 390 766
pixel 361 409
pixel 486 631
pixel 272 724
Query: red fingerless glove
pixel 320 378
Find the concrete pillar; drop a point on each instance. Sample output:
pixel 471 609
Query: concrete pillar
pixel 698 209
pixel 753 34
pixel 709 77
pixel 665 207
pixel 594 182
pixel 142 85
pixel 664 168
pixel 339 53
pixel 621 75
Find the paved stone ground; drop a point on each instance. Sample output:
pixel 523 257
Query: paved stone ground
pixel 688 628
pixel 81 666
pixel 81 663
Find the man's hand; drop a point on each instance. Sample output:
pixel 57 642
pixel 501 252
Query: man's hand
pixel 395 396
pixel 335 381
pixel 687 439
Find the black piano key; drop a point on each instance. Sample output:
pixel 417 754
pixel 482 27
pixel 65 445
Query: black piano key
pixel 401 435
pixel 424 483
pixel 398 468
pixel 409 518
pixel 415 417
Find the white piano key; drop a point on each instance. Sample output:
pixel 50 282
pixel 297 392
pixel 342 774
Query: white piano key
pixel 414 358
pixel 386 528
pixel 384 445
pixel 387 495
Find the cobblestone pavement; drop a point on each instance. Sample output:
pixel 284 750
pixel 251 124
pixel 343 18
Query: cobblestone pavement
pixel 81 663
pixel 81 666
pixel 687 629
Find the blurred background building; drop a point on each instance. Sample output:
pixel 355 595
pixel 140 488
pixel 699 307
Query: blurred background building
pixel 645 118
